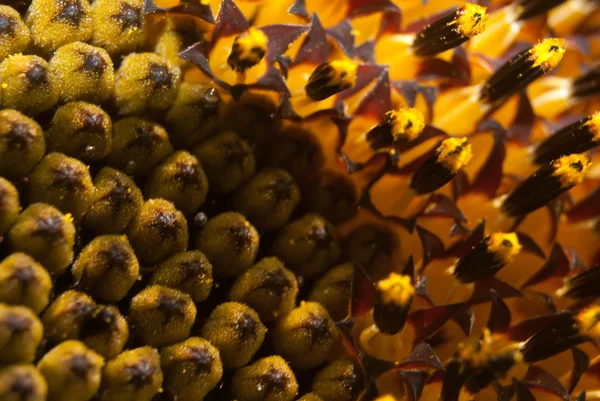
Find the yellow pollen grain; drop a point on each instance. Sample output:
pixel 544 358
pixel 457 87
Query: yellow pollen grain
pixel 396 289
pixel 247 45
pixel 505 245
pixel 407 123
pixel 472 20
pixel 343 73
pixel 594 125
pixel 69 217
pixel 589 322
pixel 454 153
pixel 548 53
pixel 571 169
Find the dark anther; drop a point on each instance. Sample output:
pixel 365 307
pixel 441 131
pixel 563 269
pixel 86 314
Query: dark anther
pixel 274 381
pixel 578 165
pixel 241 236
pixel 16 323
pixel 246 327
pixel 321 236
pixel 318 329
pixel 141 373
pixel 201 359
pixel 145 138
pixel 51 228
pixel 93 63
pixel 235 153
pixel 167 224
pixel 276 282
pixel 23 386
pixel 19 137
pixel 281 189
pixel 37 76
pixel 119 195
pixel 24 274
pixel 129 17
pixel 98 321
pixel 7 25
pixel 71 13
pixel 116 257
pixel 67 177
pixel 171 306
pixel 187 175
pixel 80 365
pixel 158 77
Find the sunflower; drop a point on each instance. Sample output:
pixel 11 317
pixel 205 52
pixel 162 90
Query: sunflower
pixel 277 200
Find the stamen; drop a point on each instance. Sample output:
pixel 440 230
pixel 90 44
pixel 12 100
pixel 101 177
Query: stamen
pixel 405 124
pixel 521 70
pixel 435 172
pixel 587 85
pixel 582 285
pixel 575 138
pixel 450 31
pixel 528 9
pixel 248 50
pixel 565 332
pixel 394 297
pixel 331 78
pixel 546 184
pixel 486 258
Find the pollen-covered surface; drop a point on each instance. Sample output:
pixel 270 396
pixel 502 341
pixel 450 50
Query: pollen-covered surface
pixel 548 53
pixel 285 200
pixel 506 245
pixel 572 169
pixel 472 20
pixel 396 289
pixel 455 153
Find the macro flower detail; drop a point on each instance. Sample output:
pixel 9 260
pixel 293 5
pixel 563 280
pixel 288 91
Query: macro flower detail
pixel 280 200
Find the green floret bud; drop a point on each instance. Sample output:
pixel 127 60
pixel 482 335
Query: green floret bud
pixel 161 316
pixel 54 23
pixel 72 371
pixel 27 85
pixel 307 246
pixel 268 199
pixel 227 160
pixel 268 379
pixel 22 382
pixel 25 282
pixel 191 368
pixel 179 179
pixel 22 144
pixel 138 146
pixel 81 130
pixel 236 331
pixel 306 337
pixel 333 291
pixel 10 207
pixel 106 268
pixel 134 375
pixel 158 231
pixel 189 272
pixel 82 72
pixel 118 25
pixel 230 242
pixel 63 182
pixel 268 288
pixel 339 381
pixel 145 82
pixel 14 35
pixel 21 333
pixel 194 115
pixel 43 232
pixel 117 200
